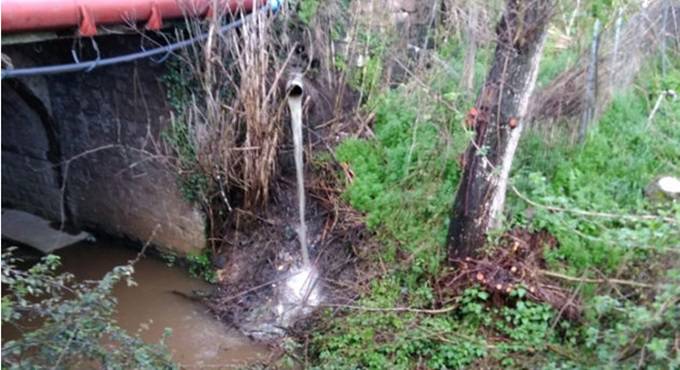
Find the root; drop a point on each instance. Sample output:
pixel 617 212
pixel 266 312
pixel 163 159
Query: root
pixel 516 263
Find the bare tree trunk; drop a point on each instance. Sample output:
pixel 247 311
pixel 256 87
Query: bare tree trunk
pixel 498 120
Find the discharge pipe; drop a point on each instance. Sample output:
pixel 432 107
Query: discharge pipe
pixel 41 15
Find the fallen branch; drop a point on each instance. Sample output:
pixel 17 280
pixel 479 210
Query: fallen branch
pixel 595 214
pixel 393 309
pixel 597 281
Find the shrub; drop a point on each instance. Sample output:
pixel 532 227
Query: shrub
pixel 77 327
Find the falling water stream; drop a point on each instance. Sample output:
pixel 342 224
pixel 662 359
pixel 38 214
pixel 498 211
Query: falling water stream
pixel 299 293
pixel 295 105
pixel 301 289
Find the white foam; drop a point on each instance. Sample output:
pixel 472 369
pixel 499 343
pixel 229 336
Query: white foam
pixel 669 184
pixel 303 286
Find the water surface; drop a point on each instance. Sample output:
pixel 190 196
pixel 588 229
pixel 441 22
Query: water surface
pixel 198 340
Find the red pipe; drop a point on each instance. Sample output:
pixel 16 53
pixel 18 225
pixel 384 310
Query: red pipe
pixel 37 15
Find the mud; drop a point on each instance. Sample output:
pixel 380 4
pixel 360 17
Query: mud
pixel 264 252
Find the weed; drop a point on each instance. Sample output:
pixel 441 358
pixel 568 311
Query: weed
pixel 622 154
pixel 74 319
pixel 169 258
pixel 404 180
pixel 201 266
pixel 307 10
pixel 193 183
pixel 608 174
pixel 555 60
pixel 379 340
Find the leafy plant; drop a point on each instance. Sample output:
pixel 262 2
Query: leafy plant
pixel 179 84
pixel 201 266
pixel 379 340
pixel 77 327
pixel 307 10
pixel 606 175
pixel 404 178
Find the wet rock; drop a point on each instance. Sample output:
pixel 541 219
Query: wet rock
pixel 219 261
pixel 663 189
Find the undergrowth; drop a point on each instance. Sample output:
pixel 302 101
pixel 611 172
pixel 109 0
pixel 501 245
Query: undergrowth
pixel 75 321
pixel 179 84
pixel 200 265
pixel 404 180
pixel 608 174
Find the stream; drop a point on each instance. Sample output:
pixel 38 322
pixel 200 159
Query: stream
pixel 198 340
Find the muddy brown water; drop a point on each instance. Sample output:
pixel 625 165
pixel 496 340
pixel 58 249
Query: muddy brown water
pixel 198 339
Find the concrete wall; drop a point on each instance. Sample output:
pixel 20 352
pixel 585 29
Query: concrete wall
pixel 98 132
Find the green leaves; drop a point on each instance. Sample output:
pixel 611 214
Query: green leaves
pixel 201 266
pixel 74 317
pixel 307 10
pixel 607 174
pixel 404 178
pixel 659 347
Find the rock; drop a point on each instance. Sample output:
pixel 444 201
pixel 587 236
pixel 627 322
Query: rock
pixel 37 232
pixel 663 189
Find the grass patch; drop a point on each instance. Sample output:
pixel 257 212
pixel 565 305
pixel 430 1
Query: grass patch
pixel 405 177
pixel 608 173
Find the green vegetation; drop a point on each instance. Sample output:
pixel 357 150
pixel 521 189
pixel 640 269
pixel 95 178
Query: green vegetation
pixel 616 253
pixel 76 321
pixel 405 177
pixel 608 174
pixel 192 183
pixel 382 340
pixel 404 180
pixel 307 10
pixel 201 266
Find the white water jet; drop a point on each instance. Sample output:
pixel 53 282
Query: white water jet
pixel 301 285
pixel 295 89
pixel 299 291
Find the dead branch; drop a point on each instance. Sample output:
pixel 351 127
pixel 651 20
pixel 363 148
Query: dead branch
pixel 597 281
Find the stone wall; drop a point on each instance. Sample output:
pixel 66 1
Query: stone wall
pixel 99 134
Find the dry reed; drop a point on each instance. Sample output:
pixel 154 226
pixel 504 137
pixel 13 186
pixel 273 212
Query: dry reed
pixel 234 116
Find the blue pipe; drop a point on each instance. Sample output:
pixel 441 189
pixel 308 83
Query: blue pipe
pixel 88 66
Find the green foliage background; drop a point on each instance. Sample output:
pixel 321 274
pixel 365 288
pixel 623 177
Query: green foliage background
pixel 404 181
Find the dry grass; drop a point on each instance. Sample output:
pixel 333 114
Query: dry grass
pixel 235 116
pixel 640 39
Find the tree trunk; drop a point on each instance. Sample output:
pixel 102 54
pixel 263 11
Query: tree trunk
pixel 498 121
